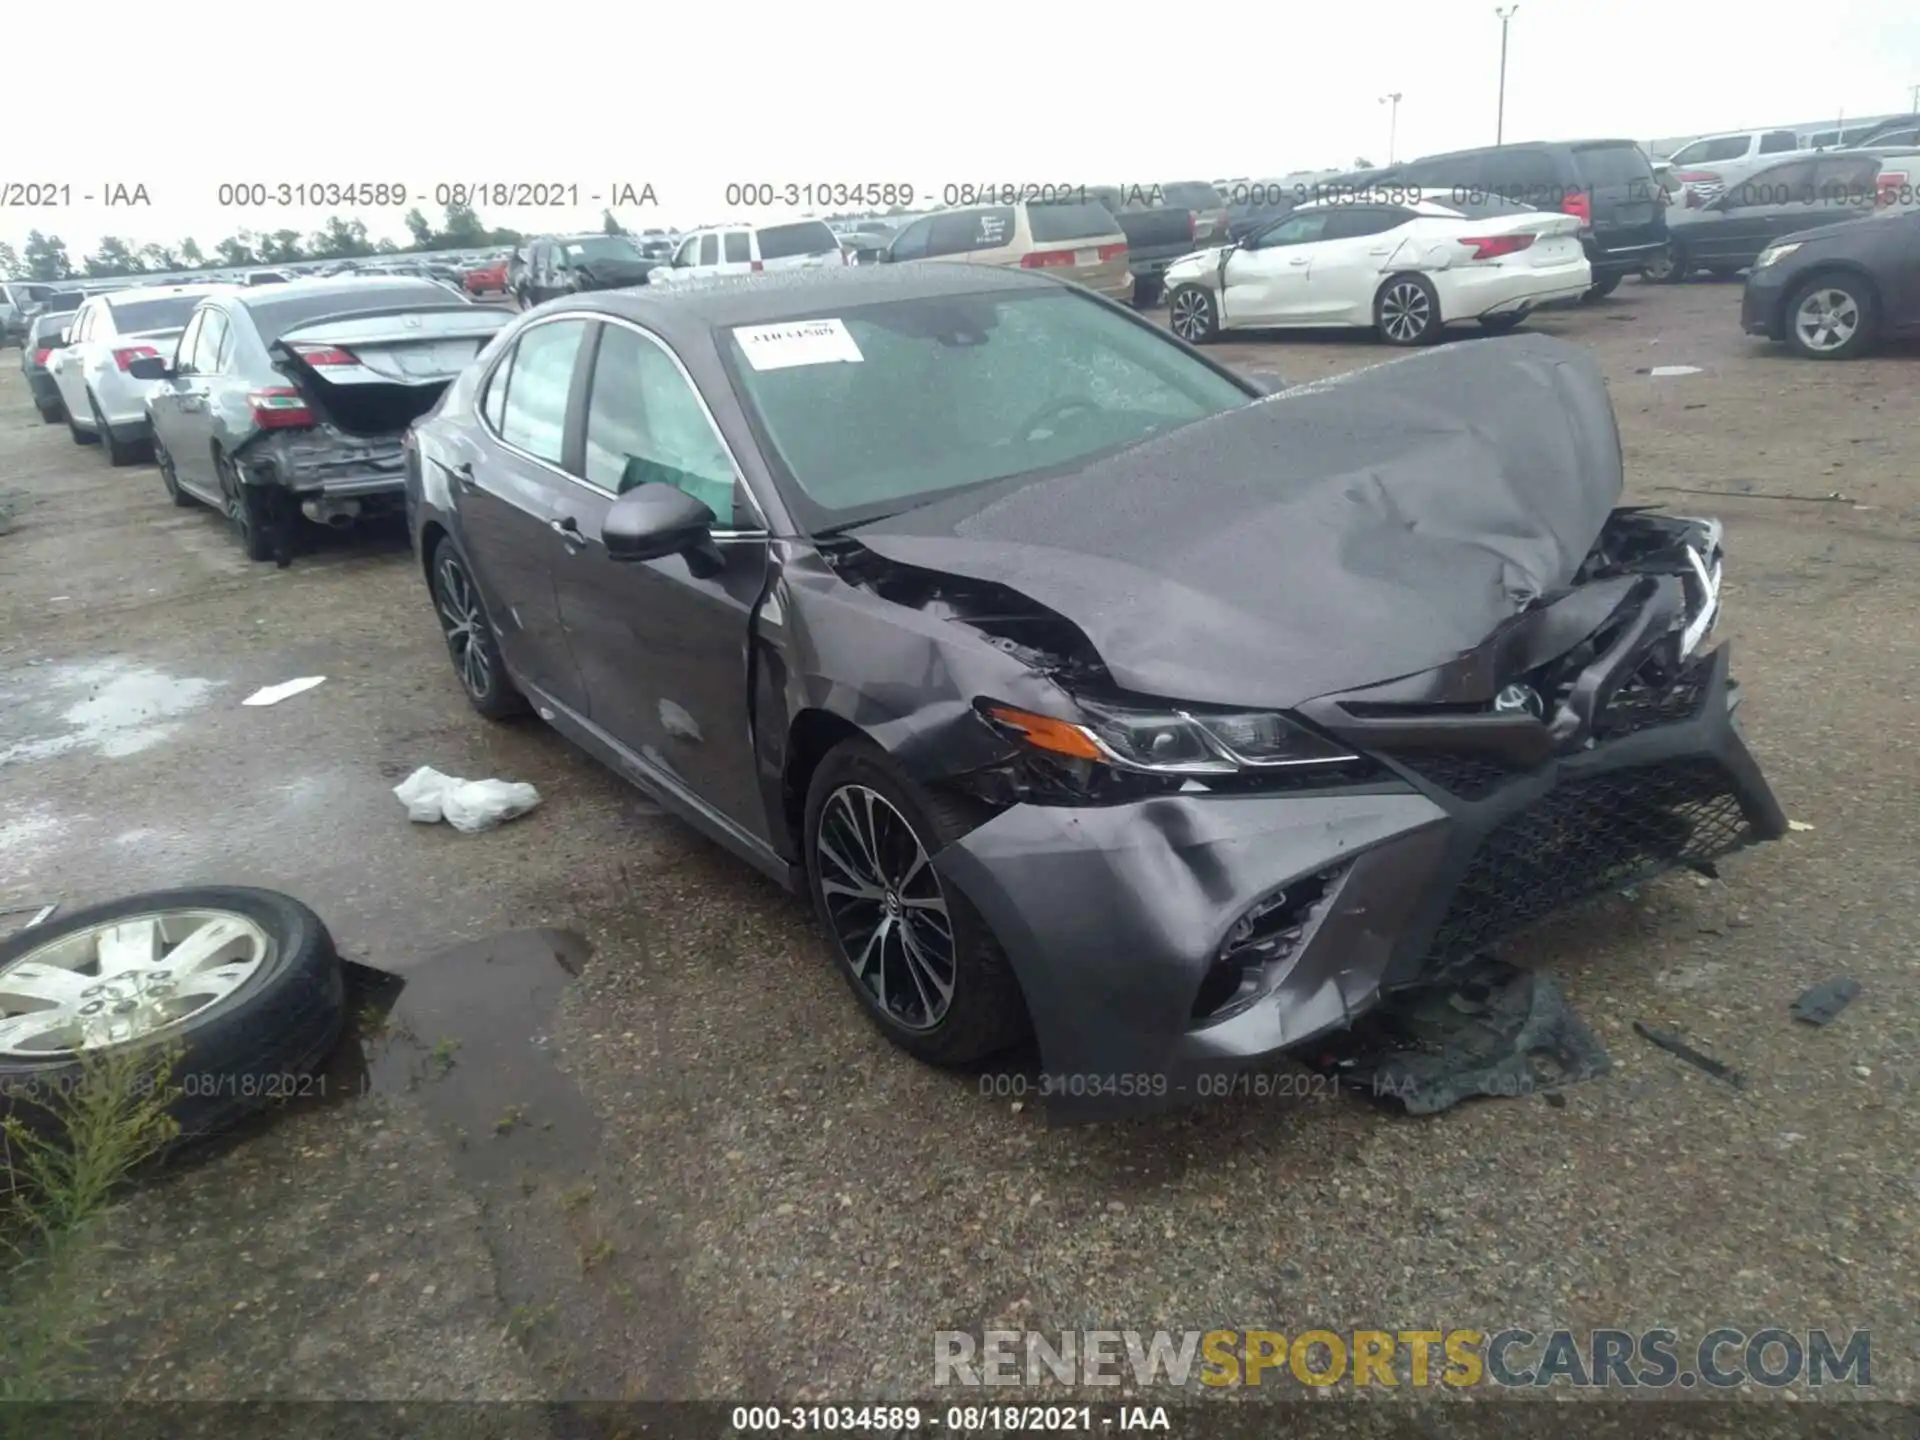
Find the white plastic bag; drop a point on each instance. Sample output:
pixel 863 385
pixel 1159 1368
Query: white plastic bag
pixel 469 806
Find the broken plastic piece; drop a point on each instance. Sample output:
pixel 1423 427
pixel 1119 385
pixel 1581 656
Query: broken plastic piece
pixel 1822 1002
pixel 469 806
pixel 1494 1030
pixel 1660 372
pixel 274 694
pixel 1798 825
pixel 1674 1045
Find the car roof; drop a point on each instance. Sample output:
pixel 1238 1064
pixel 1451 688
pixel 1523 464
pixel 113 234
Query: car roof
pixel 776 295
pixel 150 292
pixel 1435 201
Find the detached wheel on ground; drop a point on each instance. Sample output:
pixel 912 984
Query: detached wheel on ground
pixel 242 988
pixel 1407 311
pixel 1834 316
pixel 918 957
pixel 119 452
pixel 1192 314
pixel 469 635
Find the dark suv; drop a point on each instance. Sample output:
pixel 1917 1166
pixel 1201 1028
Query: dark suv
pixel 573 264
pixel 1609 184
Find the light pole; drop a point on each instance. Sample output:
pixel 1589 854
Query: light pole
pixel 1500 123
pixel 1393 120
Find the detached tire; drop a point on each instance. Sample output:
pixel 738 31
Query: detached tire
pixel 250 979
pixel 869 832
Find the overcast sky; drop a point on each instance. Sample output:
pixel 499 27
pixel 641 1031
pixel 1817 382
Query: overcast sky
pixel 690 98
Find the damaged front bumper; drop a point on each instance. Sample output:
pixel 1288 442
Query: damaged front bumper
pixel 1115 918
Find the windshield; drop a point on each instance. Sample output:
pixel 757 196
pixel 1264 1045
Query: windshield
pixel 879 408
pixel 602 247
pixel 785 242
pixel 133 317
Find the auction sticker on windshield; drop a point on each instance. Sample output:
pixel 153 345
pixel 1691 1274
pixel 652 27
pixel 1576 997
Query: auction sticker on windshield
pixel 800 342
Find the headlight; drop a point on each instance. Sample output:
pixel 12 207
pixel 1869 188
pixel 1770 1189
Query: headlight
pixel 1773 253
pixel 1174 742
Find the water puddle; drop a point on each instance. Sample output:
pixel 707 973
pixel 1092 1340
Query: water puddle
pixel 464 1035
pixel 111 708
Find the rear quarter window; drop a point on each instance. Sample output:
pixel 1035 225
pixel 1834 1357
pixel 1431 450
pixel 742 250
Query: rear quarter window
pixel 1071 222
pixel 783 242
pixel 1614 165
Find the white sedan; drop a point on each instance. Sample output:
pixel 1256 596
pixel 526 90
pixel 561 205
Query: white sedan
pixel 1404 263
pixel 108 333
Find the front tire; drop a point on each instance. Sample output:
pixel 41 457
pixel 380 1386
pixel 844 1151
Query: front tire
pixel 1193 314
pixel 469 635
pixel 1669 267
pixel 918 957
pixel 169 477
pixel 80 437
pixel 1407 311
pixel 1832 317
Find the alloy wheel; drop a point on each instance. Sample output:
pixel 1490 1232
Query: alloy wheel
pixel 1827 319
pixel 1190 315
pixel 1405 312
pixel 125 980
pixel 465 625
pixel 886 907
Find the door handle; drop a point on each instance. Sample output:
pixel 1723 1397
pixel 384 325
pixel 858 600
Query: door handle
pixel 568 529
pixel 463 476
pixel 1298 260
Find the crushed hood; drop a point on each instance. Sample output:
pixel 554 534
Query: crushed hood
pixel 1339 534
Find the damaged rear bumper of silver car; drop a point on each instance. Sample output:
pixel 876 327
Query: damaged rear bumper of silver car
pixel 328 464
pixel 1165 945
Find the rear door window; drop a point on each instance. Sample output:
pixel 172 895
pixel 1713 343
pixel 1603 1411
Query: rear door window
pixel 955 234
pixel 208 348
pixel 709 249
pixel 534 414
pixel 1705 152
pixel 1614 167
pixel 739 248
pixel 1298 229
pixel 1778 142
pixel 1071 222
pixel 1356 221
pixel 911 243
pixel 1846 180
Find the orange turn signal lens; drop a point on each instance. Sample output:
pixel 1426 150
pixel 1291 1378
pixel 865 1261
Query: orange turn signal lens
pixel 1043 732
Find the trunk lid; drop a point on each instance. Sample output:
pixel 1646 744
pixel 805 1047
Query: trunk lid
pixel 376 372
pixel 1339 534
pixel 1628 208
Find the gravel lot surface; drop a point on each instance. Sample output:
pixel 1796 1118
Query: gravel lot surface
pixel 711 1178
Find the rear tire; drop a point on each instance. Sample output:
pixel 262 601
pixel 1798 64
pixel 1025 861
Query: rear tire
pixel 1669 267
pixel 254 513
pixel 1845 325
pixel 1193 314
pixel 1500 324
pixel 80 437
pixel 1602 288
pixel 468 631
pixel 984 1012
pixel 1147 290
pixel 1406 311
pixel 168 477
pixel 119 452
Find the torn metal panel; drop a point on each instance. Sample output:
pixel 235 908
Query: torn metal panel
pixel 1323 539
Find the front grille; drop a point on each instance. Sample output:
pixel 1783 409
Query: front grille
pixel 1587 837
pixel 1642 706
pixel 1471 777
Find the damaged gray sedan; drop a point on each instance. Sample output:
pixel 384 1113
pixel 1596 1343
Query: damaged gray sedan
pixel 1091 694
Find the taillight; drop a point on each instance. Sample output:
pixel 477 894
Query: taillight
pixel 279 408
pixel 1492 247
pixel 1046 259
pixel 1113 252
pixel 1891 184
pixel 40 357
pixel 324 355
pixel 1579 205
pixel 126 356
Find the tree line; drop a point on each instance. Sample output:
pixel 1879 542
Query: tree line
pixel 45 257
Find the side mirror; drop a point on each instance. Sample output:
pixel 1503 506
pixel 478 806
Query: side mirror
pixel 151 367
pixel 654 520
